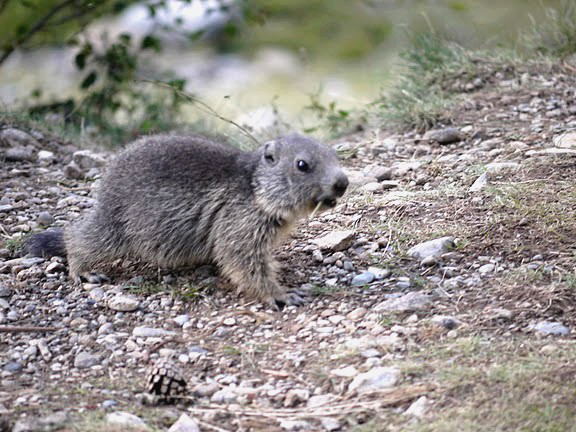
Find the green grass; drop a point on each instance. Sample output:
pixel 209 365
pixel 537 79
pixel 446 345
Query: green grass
pixel 419 100
pixel 555 36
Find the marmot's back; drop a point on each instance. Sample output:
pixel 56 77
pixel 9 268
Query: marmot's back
pixel 170 161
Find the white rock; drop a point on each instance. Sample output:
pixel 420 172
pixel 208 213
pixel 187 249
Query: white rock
pixel 375 379
pixel 499 167
pixel 330 424
pixel 486 268
pixel 87 159
pixel 320 400
pixel 480 183
pixel 567 140
pixel 295 425
pixel 122 418
pixel 123 303
pixel 434 247
pixel 335 241
pixel 151 332
pixel 185 424
pixel 409 302
pixel 86 360
pixel 380 273
pixel 45 156
pixel 345 372
pixel 225 396
pixel 229 321
pixel 372 187
pixel 551 151
pixel 419 407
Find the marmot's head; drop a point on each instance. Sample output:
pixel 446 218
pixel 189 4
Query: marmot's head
pixel 296 175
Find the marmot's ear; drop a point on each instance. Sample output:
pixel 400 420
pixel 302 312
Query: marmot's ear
pixel 272 152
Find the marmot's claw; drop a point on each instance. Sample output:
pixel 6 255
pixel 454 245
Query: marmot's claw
pixel 296 297
pixel 93 278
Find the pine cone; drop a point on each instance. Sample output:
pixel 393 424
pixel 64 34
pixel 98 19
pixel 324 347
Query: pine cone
pixel 165 381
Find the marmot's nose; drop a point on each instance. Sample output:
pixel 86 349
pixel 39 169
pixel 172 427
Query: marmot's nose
pixel 340 185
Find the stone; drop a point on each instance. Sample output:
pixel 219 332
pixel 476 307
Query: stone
pixel 447 135
pixel 500 167
pixel 185 423
pixel 5 208
pixel 45 219
pixel 412 301
pixel 125 419
pixel 181 319
pixel 380 377
pixel 12 136
pixel 295 425
pixel 320 400
pixel 205 390
pixel 434 248
pixel 330 424
pixel 295 397
pixel 144 332
pixel 73 171
pixel 86 360
pixel 550 328
pixel 345 372
pixel 52 422
pixel 12 367
pixel 224 396
pixel 5 291
pixel 123 303
pixel 372 187
pixel 389 184
pixel 363 279
pixel 46 156
pixel 380 173
pixel 335 241
pixel 486 268
pixel 551 151
pixel 419 407
pixel 86 159
pixel 18 154
pixel 480 183
pixel 357 314
pixel 380 273
pixel 230 321
pixel 566 140
pixel 448 322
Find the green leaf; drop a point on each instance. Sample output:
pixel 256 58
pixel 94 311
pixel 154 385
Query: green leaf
pixel 152 43
pixel 89 80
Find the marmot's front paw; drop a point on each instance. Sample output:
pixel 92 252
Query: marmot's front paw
pixel 293 297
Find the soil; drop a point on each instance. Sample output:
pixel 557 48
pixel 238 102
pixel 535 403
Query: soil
pixel 462 357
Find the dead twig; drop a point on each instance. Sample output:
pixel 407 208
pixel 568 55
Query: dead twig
pixel 383 399
pixel 23 329
pixel 203 106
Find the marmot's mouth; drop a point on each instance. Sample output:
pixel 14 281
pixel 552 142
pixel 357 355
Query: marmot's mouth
pixel 329 202
pixel 323 204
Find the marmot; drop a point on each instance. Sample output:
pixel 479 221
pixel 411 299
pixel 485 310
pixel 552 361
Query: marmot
pixel 179 200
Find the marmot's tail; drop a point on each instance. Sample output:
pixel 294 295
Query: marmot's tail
pixel 46 244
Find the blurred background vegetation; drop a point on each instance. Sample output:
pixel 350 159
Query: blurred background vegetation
pixel 316 65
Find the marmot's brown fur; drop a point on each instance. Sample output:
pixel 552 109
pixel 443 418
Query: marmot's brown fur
pixel 175 201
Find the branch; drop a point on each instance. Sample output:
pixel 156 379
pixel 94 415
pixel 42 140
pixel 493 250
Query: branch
pixel 207 108
pixel 38 26
pixel 3 4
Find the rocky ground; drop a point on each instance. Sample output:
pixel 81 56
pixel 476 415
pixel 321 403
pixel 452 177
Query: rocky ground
pixel 444 290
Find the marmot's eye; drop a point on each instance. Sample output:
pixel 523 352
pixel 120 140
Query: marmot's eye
pixel 303 166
